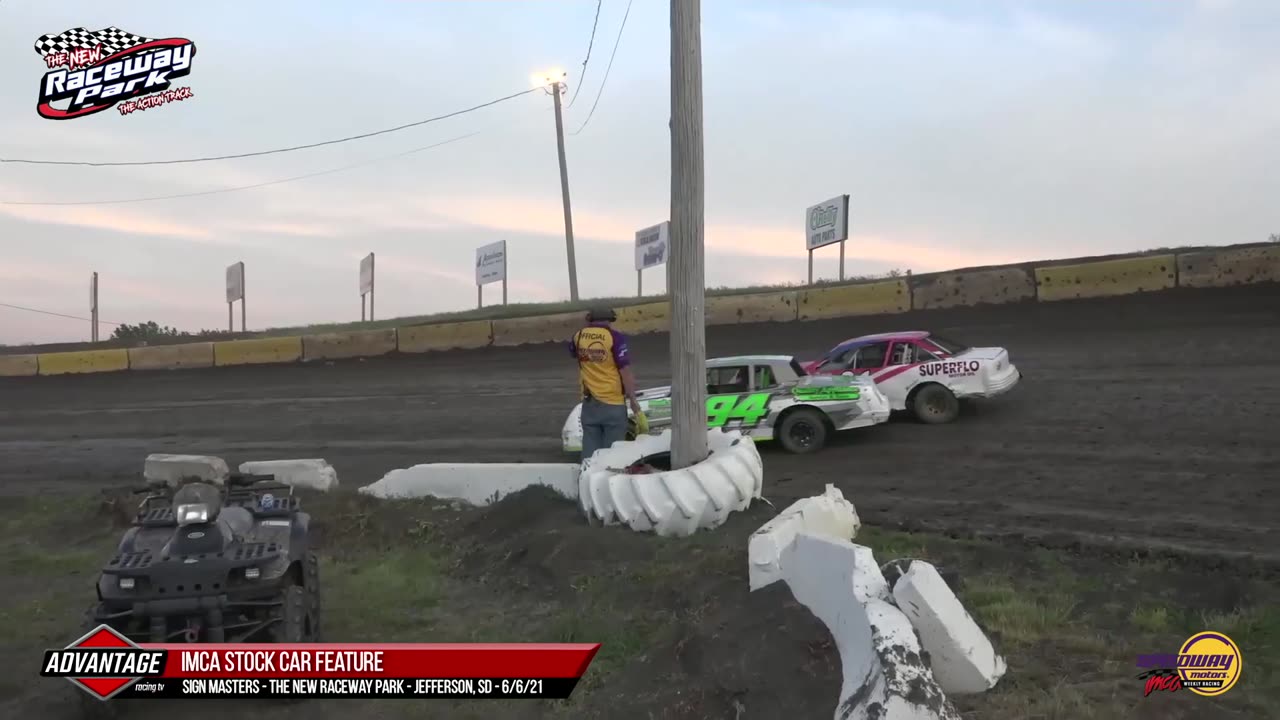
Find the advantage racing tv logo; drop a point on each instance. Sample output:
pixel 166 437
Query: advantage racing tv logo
pixel 94 71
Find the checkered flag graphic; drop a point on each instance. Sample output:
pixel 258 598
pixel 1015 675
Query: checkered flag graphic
pixel 112 39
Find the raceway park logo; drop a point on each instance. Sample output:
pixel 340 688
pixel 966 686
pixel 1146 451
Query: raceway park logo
pixel 1208 664
pixel 94 71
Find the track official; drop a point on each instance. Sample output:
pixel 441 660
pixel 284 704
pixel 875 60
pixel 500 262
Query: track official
pixel 608 385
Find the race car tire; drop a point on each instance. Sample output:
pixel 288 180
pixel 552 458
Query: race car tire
pixel 935 405
pixel 671 503
pixel 803 431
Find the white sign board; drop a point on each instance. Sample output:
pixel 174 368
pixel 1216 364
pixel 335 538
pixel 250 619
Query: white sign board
pixel 827 222
pixel 491 263
pixel 235 282
pixel 651 245
pixel 366 275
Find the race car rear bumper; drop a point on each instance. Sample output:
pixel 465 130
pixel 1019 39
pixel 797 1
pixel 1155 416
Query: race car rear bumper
pixel 1001 383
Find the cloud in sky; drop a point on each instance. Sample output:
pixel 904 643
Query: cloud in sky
pixel 966 133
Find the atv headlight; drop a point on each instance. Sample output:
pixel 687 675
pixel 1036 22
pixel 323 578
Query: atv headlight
pixel 252 573
pixel 193 514
pixel 126 583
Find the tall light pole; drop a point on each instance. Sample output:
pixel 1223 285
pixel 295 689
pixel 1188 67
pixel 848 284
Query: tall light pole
pixel 685 270
pixel 553 82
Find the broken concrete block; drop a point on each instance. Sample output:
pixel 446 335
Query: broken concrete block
pixel 961 655
pixel 316 474
pixel 829 515
pixel 176 469
pixel 895 569
pixel 885 676
pixel 474 483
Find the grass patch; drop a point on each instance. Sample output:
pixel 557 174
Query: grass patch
pixel 1070 627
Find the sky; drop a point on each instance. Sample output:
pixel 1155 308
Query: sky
pixel 966 132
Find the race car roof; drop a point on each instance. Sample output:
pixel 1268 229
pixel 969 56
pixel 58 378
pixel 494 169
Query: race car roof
pixel 739 359
pixel 880 337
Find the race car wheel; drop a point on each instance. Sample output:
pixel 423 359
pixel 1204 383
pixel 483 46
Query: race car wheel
pixel 934 404
pixel 802 431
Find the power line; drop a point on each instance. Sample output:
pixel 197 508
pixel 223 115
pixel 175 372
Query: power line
pixel 46 312
pixel 590 44
pixel 275 151
pixel 248 187
pixel 609 67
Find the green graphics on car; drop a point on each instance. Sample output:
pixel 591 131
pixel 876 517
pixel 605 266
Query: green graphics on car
pixel 837 387
pixel 747 410
pixel 830 392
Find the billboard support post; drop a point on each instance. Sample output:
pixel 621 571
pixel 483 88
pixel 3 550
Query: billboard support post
pixel 235 291
pixel 491 266
pixel 827 223
pixel 366 285
pixel 651 250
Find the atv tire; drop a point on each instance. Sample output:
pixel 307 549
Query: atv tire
pixel 91 708
pixel 935 405
pixel 311 583
pixel 803 431
pixel 291 619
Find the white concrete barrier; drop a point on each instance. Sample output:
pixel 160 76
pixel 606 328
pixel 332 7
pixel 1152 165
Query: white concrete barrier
pixel 885 676
pixel 315 473
pixel 675 502
pixel 960 653
pixel 175 469
pixel 475 483
pixel 828 515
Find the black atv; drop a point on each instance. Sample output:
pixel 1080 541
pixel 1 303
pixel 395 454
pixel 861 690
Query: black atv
pixel 204 564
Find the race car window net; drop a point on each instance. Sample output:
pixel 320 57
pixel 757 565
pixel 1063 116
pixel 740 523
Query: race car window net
pixel 725 380
pixel 871 356
pixel 764 377
pixel 923 354
pixel 902 354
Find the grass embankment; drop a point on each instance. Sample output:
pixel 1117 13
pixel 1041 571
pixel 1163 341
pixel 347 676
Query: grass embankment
pixel 682 637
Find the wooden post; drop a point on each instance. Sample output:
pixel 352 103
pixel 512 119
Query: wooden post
pixel 556 89
pixel 685 269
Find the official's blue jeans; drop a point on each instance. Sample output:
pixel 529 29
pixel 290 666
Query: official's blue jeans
pixel 602 425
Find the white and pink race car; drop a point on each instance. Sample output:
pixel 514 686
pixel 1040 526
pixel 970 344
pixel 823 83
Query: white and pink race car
pixel 921 372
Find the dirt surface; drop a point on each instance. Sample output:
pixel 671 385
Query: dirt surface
pixel 1150 419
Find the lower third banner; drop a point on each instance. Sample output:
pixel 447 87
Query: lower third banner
pixel 351 688
pixel 107 664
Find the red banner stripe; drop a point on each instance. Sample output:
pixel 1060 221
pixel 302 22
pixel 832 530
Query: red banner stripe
pixel 374 660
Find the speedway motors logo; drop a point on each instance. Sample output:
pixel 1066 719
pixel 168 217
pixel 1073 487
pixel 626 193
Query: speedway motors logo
pixel 94 71
pixel 1207 664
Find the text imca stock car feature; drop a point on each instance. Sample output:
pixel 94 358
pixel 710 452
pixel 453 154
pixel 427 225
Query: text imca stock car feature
pixel 766 397
pixel 921 372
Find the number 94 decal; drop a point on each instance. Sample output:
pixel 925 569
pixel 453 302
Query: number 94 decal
pixel 742 410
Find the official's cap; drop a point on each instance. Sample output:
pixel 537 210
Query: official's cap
pixel 601 314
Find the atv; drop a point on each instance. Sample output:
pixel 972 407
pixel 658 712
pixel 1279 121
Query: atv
pixel 204 563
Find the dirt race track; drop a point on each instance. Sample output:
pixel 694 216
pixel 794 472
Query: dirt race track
pixel 1149 418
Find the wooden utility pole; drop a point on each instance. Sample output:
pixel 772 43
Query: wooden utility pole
pixel 685 273
pixel 556 89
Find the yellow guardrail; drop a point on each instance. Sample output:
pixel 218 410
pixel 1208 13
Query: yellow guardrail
pixel 84 361
pixel 1218 267
pixel 258 351
pixel 1106 278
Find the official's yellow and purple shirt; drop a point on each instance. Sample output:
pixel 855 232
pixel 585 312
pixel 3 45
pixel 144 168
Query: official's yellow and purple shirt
pixel 601 352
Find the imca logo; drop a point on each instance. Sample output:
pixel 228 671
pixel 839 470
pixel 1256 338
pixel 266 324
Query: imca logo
pixel 94 71
pixel 1207 664
pixel 103 663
